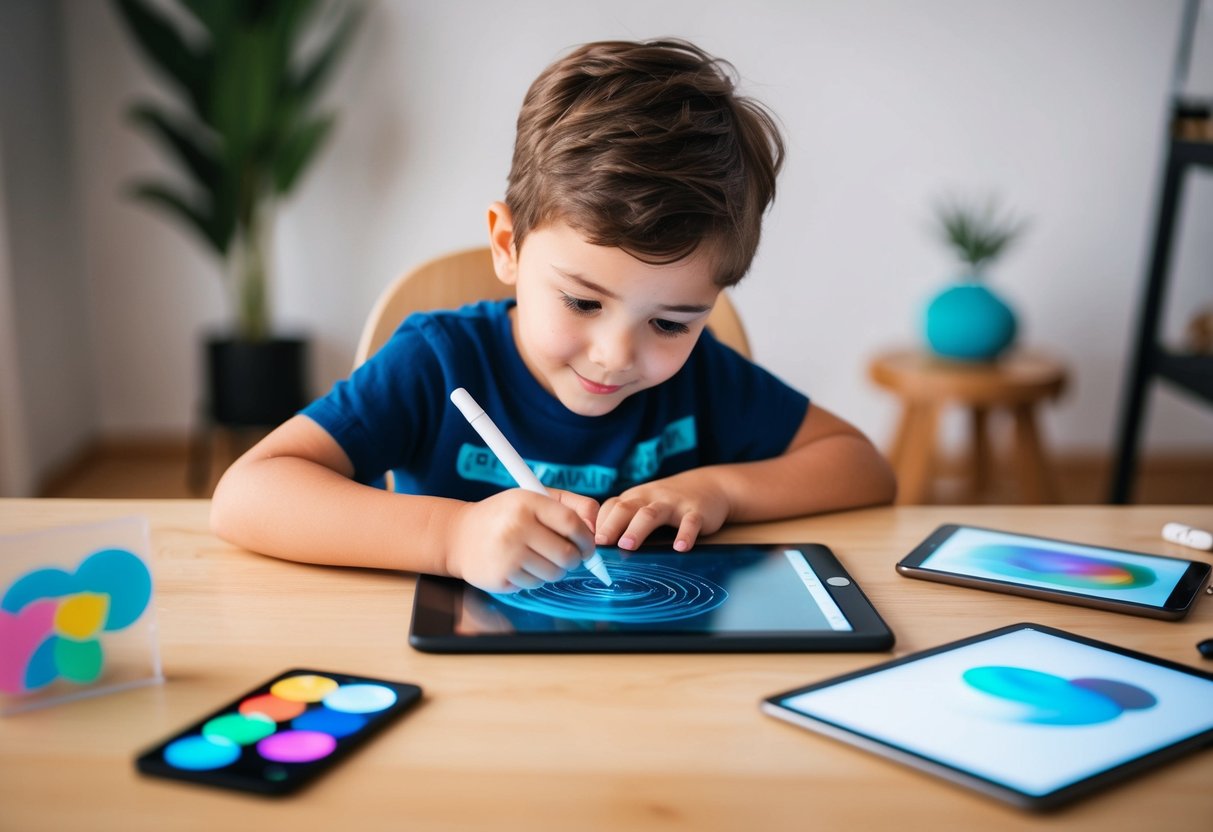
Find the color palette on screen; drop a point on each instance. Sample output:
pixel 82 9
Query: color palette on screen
pixel 1062 568
pixel 281 732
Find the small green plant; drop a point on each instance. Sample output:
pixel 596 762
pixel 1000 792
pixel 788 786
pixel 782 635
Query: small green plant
pixel 978 232
pixel 246 123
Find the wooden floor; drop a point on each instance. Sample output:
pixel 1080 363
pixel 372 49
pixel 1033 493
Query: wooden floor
pixel 142 469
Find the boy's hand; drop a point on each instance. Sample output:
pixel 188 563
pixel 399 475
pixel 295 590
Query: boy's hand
pixel 520 540
pixel 692 502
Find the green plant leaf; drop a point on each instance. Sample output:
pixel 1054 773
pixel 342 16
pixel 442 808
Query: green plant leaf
pixel 311 78
pixel 164 46
pixel 216 16
pixel 298 150
pixel 191 215
pixel 189 142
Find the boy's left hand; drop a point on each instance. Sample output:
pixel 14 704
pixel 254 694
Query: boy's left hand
pixel 692 502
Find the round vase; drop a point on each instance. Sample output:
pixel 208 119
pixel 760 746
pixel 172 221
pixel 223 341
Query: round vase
pixel 968 322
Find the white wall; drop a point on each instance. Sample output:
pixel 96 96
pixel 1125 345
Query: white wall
pixel 48 412
pixel 1057 106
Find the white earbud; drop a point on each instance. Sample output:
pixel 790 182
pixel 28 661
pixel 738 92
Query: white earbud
pixel 1188 536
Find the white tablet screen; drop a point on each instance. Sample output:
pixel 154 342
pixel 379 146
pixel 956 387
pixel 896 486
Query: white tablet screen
pixel 1028 710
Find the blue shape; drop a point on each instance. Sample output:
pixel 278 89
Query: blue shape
pixel 36 585
pixel 201 753
pixel 1052 699
pixel 42 670
pixel 124 577
pixel 327 721
pixel 114 572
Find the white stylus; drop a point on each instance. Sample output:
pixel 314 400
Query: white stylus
pixel 519 470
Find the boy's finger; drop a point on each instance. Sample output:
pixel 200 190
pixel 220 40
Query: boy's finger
pixel 560 536
pixel 610 522
pixel 643 523
pixel 688 531
pixel 542 568
pixel 586 507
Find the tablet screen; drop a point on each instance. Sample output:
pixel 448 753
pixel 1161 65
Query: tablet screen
pixel 744 589
pixel 1027 708
pixel 1053 564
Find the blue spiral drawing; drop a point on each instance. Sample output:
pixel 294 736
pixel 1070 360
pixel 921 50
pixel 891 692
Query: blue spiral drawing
pixel 642 593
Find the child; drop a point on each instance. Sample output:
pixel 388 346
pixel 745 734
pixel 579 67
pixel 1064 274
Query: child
pixel 636 194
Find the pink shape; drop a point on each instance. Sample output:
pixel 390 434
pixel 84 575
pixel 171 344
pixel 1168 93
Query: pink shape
pixel 20 636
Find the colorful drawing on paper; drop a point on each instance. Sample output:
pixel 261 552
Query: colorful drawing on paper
pixel 52 621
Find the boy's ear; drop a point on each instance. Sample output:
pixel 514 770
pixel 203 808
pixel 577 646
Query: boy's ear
pixel 501 241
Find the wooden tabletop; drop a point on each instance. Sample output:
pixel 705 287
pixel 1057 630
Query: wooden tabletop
pixel 631 742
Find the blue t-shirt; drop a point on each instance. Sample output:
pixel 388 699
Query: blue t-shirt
pixel 395 413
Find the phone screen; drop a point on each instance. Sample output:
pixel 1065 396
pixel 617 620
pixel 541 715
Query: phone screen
pixel 281 734
pixel 1056 565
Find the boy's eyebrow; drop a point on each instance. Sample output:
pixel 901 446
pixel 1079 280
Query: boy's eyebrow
pixel 690 308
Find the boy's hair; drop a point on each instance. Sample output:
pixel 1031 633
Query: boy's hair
pixel 645 147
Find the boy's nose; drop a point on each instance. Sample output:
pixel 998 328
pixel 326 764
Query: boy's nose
pixel 612 351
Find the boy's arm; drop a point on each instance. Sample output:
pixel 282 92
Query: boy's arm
pixel 828 465
pixel 291 496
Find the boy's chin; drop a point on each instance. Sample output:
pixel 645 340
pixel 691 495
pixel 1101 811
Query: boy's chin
pixel 587 404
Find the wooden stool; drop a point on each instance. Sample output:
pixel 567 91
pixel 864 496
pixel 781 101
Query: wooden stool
pixel 926 383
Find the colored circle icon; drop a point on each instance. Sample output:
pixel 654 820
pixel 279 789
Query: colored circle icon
pixel 329 721
pixel 304 688
pixel 274 707
pixel 297 746
pixel 360 699
pixel 201 753
pixel 239 728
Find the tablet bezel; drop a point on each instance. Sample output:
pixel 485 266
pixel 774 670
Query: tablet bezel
pixel 436 601
pixel 1178 604
pixel 774 706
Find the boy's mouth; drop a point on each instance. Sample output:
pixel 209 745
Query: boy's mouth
pixel 595 387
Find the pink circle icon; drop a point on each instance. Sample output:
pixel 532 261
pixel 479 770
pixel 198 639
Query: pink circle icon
pixel 296 746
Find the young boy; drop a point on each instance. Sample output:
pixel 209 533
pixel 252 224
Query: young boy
pixel 636 194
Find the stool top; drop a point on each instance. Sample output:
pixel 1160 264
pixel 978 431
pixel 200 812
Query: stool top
pixel 1020 377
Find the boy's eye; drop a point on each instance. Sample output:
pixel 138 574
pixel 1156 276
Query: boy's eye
pixel 670 328
pixel 583 307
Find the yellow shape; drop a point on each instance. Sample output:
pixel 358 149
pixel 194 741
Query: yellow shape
pixel 304 688
pixel 80 616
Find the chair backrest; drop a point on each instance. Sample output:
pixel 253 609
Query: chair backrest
pixel 453 280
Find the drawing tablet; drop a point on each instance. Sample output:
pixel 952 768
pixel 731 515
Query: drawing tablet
pixel 716 598
pixel 1027 714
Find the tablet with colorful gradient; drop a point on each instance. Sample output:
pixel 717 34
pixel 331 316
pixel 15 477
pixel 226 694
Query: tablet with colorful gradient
pixel 1027 714
pixel 1058 570
pixel 281 734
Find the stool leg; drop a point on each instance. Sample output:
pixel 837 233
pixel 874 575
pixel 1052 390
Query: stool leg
pixel 1033 470
pixel 917 455
pixel 980 475
pixel 904 427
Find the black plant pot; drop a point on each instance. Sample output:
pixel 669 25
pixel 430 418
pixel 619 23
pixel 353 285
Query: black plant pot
pixel 255 383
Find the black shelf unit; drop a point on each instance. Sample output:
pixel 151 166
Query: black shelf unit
pixel 1151 359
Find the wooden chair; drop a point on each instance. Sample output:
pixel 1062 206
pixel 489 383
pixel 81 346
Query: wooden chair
pixel 452 280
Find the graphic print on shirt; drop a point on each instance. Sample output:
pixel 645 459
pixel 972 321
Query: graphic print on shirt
pixel 477 463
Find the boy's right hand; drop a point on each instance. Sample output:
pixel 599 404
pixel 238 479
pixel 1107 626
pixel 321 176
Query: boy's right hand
pixel 520 540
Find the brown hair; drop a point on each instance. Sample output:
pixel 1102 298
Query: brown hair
pixel 645 147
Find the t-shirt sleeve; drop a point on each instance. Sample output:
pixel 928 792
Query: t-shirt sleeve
pixel 383 415
pixel 747 412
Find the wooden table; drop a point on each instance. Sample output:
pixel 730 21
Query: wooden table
pixel 629 742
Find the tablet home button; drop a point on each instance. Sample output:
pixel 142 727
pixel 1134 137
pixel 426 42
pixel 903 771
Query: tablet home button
pixel 839 581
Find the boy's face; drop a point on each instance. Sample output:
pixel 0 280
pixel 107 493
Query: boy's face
pixel 594 324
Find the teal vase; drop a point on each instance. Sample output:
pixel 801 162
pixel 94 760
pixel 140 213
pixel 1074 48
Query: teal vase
pixel 968 322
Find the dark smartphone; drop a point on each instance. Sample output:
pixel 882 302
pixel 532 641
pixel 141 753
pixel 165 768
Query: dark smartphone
pixel 281 734
pixel 1058 570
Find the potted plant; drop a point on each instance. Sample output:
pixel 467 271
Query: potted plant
pixel 246 127
pixel 968 321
